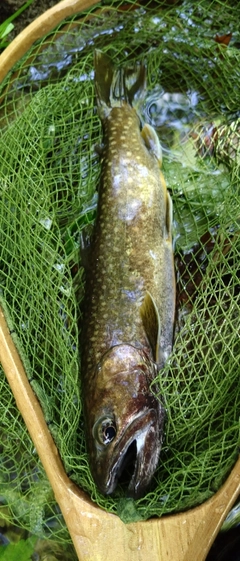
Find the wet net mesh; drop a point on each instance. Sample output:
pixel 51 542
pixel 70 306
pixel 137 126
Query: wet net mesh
pixel 49 171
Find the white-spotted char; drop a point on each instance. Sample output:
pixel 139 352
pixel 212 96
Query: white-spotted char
pixel 129 306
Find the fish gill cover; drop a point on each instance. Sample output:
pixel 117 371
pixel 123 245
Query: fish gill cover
pixel 49 173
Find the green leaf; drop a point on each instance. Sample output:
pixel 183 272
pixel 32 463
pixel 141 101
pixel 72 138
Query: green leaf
pixel 20 551
pixel 19 11
pixel 5 29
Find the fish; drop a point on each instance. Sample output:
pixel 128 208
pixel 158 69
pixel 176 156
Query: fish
pixel 129 304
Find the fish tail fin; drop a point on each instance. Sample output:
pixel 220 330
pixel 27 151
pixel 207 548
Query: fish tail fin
pixel 115 86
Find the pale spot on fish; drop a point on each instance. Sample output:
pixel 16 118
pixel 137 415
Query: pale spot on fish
pixel 129 153
pixel 152 254
pixel 117 182
pixel 130 194
pixel 130 211
pixel 143 170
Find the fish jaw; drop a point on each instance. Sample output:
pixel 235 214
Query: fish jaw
pixel 144 434
pixel 130 413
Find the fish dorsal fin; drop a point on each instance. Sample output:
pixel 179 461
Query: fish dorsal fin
pixel 151 323
pixel 152 142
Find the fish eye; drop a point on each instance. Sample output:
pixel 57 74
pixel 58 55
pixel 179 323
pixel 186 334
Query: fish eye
pixel 104 430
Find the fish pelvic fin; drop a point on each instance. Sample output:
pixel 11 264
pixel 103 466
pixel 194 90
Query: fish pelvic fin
pixel 151 323
pixel 169 218
pixel 116 86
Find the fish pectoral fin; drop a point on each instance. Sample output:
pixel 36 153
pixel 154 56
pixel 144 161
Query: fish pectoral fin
pixel 152 142
pixel 151 323
pixel 169 215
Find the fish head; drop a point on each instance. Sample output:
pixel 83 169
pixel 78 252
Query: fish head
pixel 126 421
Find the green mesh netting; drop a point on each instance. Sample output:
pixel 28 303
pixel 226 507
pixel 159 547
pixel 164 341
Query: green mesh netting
pixel 49 173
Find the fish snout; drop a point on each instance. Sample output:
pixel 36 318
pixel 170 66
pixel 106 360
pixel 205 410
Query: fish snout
pixel 132 459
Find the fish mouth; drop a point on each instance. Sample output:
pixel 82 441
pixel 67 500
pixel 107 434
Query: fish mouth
pixel 136 455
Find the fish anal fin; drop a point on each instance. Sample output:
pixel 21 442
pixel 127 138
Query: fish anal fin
pixel 151 323
pixel 152 142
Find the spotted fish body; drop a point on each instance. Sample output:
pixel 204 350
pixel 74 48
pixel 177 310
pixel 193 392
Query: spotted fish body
pixel 130 296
